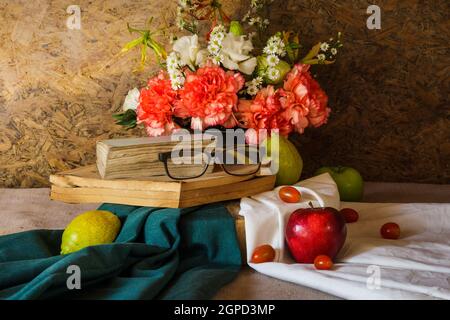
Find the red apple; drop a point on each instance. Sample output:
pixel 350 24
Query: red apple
pixel 312 232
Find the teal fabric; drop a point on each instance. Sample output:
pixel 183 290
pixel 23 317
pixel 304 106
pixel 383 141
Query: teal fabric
pixel 159 254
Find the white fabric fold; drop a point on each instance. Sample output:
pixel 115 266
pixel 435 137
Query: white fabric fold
pixel 417 266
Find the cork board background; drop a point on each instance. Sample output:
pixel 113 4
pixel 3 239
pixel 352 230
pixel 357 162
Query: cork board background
pixel 388 91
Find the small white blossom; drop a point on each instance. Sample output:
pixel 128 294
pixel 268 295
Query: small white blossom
pixel 272 60
pixel 254 85
pixel 270 49
pixel 334 51
pixel 251 21
pixel 273 74
pixel 275 46
pixel 214 49
pixel 218 59
pixel 172 59
pixel 252 90
pixel 257 81
pixel 217 37
pixel 321 57
pixel 324 46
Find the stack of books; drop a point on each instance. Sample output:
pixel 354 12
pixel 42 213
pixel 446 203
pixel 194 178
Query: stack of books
pixel 129 171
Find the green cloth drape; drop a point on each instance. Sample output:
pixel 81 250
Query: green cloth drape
pixel 158 254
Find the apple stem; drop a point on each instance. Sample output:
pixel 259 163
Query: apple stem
pixel 311 205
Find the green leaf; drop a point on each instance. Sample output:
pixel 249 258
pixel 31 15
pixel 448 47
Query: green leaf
pixel 130 45
pixel 312 53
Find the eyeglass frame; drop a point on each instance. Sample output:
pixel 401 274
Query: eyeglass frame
pixel 164 156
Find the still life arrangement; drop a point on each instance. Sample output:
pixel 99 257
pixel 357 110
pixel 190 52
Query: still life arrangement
pixel 217 73
pixel 232 75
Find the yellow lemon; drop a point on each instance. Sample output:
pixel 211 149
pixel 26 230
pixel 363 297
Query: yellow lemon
pixel 89 229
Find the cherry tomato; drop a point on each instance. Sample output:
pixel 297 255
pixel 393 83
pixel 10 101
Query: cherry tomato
pixel 350 215
pixel 264 253
pixel 323 262
pixel 289 195
pixel 390 230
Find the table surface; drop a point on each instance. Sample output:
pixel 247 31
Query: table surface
pixel 27 209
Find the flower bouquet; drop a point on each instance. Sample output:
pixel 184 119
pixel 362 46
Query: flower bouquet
pixel 229 77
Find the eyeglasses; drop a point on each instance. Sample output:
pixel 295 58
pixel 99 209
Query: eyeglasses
pixel 235 161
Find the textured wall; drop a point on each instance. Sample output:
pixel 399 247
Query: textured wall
pixel 388 91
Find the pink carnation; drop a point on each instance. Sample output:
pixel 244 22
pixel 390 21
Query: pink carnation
pixel 209 97
pixel 264 112
pixel 155 109
pixel 304 102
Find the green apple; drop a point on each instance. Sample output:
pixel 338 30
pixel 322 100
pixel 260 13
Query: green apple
pixel 348 180
pixel 236 28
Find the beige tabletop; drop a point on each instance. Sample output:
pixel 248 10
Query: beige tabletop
pixel 27 209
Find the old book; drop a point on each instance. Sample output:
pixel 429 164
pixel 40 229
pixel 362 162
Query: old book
pixel 84 185
pixel 138 157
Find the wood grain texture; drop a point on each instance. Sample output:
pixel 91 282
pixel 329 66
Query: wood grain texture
pixel 388 90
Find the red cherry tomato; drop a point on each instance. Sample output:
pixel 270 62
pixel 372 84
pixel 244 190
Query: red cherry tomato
pixel 290 195
pixel 264 253
pixel 323 262
pixel 390 230
pixel 350 215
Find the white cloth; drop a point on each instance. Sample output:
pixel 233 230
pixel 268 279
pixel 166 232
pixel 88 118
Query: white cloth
pixel 416 266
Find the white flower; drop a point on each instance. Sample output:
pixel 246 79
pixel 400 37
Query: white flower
pixel 334 51
pixel 247 66
pixel 236 53
pixel 214 49
pixel 275 46
pixel 272 60
pixel 218 37
pixel 270 49
pixel 273 74
pixel 321 57
pixel 252 90
pixel 255 82
pixel 217 29
pixel 172 60
pixel 254 85
pixel 218 59
pixel 131 100
pixel 324 46
pixel 189 51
